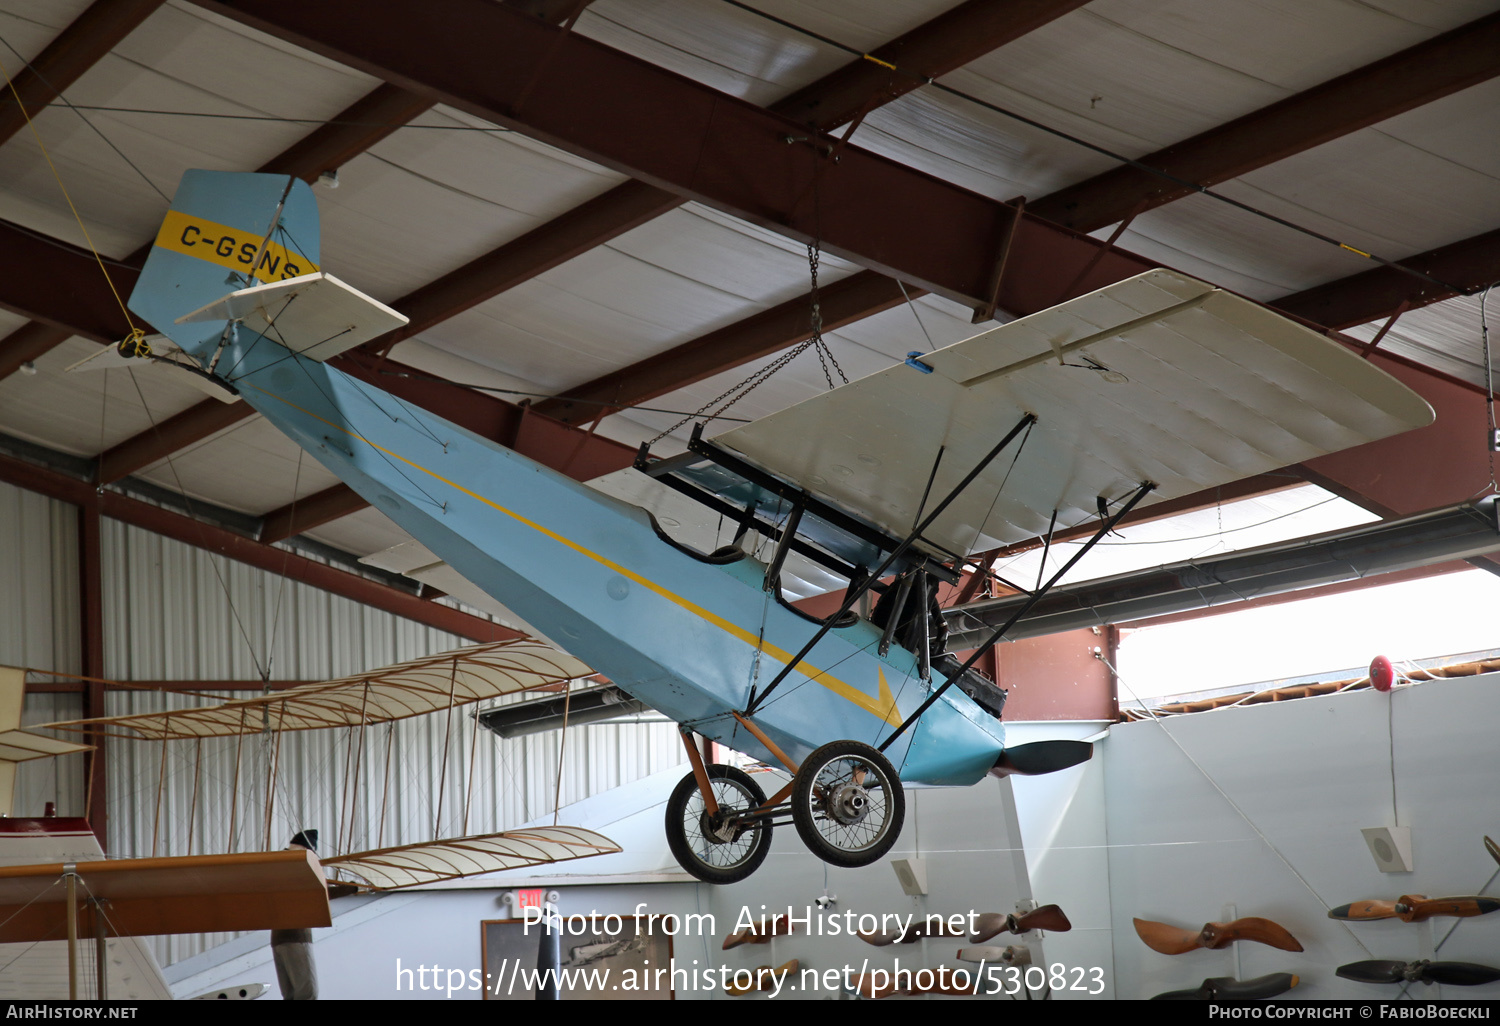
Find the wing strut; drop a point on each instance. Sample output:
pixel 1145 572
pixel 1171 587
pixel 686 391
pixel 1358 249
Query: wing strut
pixel 854 593
pixel 1140 493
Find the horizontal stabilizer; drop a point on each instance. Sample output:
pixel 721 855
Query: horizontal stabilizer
pixel 315 315
pixel 165 360
pixel 1042 757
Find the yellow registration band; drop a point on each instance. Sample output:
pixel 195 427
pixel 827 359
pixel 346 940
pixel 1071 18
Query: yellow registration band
pixel 233 248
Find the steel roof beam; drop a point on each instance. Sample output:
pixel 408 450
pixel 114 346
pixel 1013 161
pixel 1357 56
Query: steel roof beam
pixel 1366 96
pixel 226 543
pixel 661 128
pixel 77 48
pixel 1472 263
pixel 948 42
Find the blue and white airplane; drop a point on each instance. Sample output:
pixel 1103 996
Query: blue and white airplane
pixel 1152 388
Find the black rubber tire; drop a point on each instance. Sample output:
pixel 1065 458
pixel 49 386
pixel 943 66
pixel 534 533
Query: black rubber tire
pixel 841 842
pixel 708 859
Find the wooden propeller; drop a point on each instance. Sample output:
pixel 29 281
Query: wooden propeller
pixel 1462 974
pixel 1174 940
pixel 765 979
pixel 1227 988
pixel 1493 848
pixel 777 927
pixel 1415 908
pixel 1048 917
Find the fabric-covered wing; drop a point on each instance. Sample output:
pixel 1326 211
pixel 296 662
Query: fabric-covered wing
pixel 393 693
pixel 1159 378
pixel 414 864
pixel 25 745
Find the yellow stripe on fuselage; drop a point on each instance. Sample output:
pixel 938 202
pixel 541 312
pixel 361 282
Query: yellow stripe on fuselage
pixel 228 247
pixel 882 705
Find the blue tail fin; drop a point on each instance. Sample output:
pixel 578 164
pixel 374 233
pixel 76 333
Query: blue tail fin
pixel 208 241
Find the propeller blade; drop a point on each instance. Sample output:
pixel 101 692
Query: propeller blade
pixel 1461 974
pixel 1251 928
pixel 1360 910
pixel 988 925
pixel 1493 848
pixel 1169 940
pixel 1418 909
pixel 1373 972
pixel 1227 988
pixel 1048 917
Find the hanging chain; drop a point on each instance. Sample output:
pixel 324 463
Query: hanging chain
pixel 738 391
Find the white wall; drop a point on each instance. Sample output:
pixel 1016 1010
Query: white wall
pixel 1260 808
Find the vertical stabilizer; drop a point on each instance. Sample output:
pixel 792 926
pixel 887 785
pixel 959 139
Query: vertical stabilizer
pixel 225 231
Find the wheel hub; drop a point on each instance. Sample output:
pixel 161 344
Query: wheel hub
pixel 719 828
pixel 849 804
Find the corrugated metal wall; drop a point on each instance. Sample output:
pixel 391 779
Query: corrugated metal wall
pixel 174 612
pixel 39 628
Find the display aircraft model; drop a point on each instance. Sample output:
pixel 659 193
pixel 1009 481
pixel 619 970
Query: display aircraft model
pixel 1152 388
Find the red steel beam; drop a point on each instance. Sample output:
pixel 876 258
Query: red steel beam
pixel 1401 82
pixel 561 239
pixel 77 48
pixel 661 128
pixel 1472 263
pixel 172 435
pixel 241 549
pixel 948 42
pixel 304 514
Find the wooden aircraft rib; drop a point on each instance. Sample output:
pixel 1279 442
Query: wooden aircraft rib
pixel 413 864
pixel 24 745
pixel 394 693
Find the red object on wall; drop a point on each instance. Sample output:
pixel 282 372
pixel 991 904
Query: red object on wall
pixel 1382 673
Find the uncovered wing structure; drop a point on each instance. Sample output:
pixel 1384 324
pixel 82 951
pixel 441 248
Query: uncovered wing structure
pixel 432 684
pixel 413 688
pixel 1153 387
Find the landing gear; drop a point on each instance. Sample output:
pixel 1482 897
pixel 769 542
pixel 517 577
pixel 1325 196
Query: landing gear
pixel 721 848
pixel 848 804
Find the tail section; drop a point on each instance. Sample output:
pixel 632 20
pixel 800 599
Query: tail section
pixel 224 232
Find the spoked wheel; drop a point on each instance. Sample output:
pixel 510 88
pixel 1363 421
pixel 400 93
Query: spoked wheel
pixel 848 804
pixel 712 848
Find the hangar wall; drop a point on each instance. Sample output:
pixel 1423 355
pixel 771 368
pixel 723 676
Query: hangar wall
pixel 1257 811
pixel 174 612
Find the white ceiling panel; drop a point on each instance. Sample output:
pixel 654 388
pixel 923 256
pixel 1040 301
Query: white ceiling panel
pixel 178 63
pixel 250 467
pixel 739 53
pixel 87 412
pixel 449 191
pixel 1446 336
